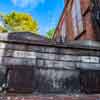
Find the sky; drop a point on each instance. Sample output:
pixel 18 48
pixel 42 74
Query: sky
pixel 46 12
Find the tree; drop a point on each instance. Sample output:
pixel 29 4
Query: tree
pixel 21 22
pixel 3 29
pixel 50 33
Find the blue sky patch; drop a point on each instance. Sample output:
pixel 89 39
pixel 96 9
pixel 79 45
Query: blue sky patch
pixel 46 12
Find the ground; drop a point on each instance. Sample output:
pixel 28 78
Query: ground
pixel 77 97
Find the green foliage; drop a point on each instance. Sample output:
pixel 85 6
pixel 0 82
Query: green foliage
pixel 2 29
pixel 50 33
pixel 21 22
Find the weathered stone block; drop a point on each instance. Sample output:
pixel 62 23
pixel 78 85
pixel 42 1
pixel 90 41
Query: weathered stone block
pixel 90 59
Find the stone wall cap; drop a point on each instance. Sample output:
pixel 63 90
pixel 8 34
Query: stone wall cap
pixel 34 39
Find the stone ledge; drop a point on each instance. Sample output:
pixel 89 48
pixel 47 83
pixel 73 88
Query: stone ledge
pixel 30 40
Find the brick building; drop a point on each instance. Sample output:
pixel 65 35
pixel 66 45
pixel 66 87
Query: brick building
pixel 78 21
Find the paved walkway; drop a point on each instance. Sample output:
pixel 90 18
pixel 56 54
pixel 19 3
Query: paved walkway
pixel 83 97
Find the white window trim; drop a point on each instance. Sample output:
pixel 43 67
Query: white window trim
pixel 77 17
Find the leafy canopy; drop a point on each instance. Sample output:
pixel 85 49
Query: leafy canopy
pixel 50 33
pixel 3 30
pixel 21 22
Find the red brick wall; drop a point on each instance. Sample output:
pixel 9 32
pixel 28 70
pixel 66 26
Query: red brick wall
pixel 70 31
pixel 88 33
pixel 88 25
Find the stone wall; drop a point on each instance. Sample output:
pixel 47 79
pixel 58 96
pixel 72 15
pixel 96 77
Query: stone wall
pixel 41 67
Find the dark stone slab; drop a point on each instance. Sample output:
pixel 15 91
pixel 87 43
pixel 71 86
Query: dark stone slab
pixel 56 81
pixel 20 80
